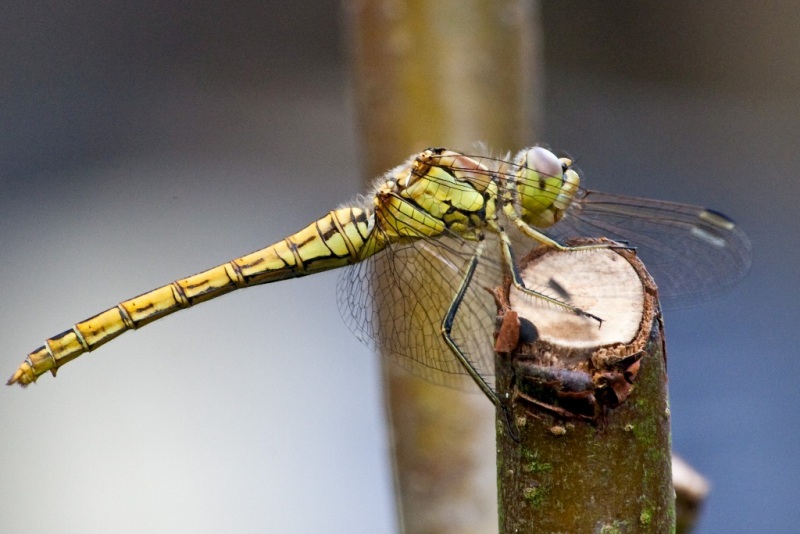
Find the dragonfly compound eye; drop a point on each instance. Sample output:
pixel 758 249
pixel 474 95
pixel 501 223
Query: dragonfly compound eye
pixel 540 160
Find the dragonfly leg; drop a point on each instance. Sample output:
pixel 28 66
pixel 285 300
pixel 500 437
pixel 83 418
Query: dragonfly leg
pixel 516 278
pixel 538 236
pixel 447 327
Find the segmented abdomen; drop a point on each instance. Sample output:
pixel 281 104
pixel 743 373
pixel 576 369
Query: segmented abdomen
pixel 340 238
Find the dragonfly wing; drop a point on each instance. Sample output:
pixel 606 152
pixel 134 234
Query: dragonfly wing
pixel 691 252
pixel 398 299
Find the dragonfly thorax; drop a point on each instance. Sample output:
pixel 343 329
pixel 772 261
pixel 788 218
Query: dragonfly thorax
pixel 436 191
pixel 545 186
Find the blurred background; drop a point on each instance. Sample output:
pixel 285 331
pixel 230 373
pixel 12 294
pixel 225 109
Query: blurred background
pixel 142 142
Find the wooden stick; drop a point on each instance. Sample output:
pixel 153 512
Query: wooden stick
pixel 588 398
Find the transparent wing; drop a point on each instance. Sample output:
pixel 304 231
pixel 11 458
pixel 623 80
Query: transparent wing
pixel 398 299
pixel 691 252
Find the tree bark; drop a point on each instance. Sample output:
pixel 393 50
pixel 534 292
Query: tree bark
pixel 587 447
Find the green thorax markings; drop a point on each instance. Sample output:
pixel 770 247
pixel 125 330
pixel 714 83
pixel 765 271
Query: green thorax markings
pixel 437 190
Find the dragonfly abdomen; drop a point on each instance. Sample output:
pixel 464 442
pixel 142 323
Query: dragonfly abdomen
pixel 336 240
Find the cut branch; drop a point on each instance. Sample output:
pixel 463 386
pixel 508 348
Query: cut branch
pixel 588 398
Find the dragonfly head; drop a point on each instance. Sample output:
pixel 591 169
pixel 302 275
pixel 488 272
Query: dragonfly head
pixel 546 185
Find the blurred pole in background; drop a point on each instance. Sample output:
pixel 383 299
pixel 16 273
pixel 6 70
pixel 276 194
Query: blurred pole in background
pixel 446 73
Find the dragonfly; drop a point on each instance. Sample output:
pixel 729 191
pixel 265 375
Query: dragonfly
pixel 419 249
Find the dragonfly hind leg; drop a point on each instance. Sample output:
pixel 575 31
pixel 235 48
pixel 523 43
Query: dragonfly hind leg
pixel 447 327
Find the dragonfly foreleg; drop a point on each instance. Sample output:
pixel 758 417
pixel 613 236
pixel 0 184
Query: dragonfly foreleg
pixel 538 236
